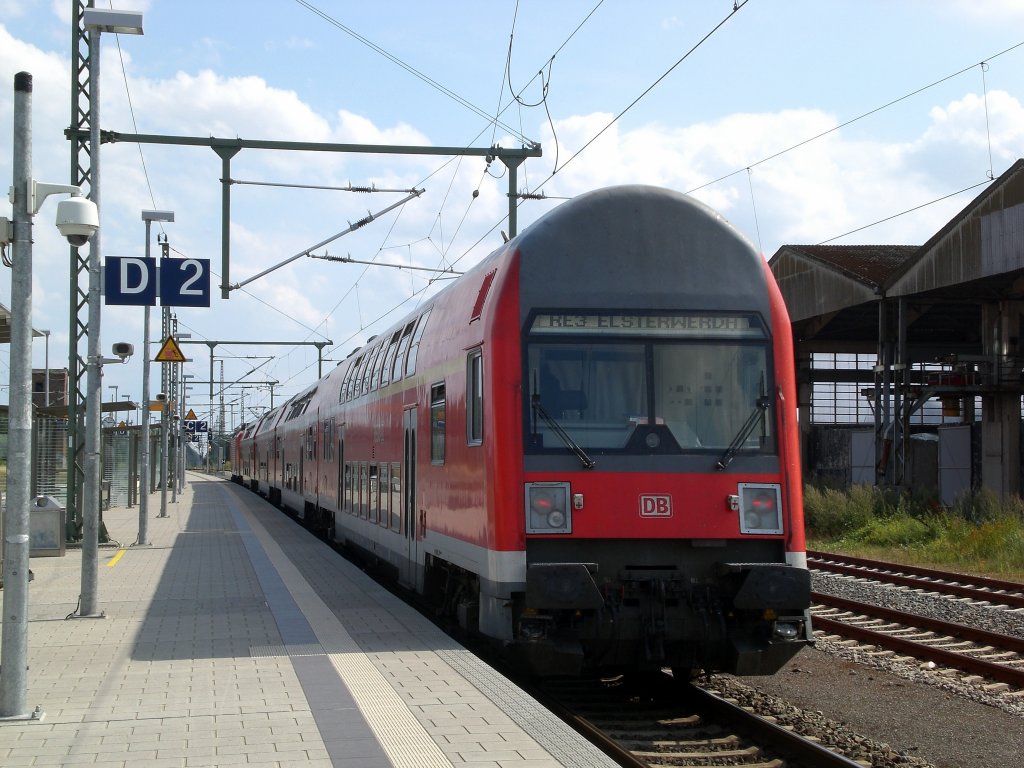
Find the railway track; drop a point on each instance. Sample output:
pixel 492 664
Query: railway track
pixel 656 722
pixel 977 588
pixel 988 655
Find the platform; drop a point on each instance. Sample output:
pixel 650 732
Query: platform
pixel 238 638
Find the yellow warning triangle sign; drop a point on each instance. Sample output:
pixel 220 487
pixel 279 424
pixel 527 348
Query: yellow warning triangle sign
pixel 170 352
pixel 191 415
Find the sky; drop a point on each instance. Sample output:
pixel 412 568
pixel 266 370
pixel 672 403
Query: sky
pixel 801 122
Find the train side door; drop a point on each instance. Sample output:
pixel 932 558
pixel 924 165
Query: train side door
pixel 409 528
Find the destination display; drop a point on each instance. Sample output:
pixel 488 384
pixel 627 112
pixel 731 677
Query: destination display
pixel 724 326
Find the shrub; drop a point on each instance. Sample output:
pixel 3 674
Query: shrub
pixel 831 514
pixel 897 531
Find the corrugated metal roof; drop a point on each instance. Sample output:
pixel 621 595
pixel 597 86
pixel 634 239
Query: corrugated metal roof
pixel 820 280
pixel 982 243
pixel 868 264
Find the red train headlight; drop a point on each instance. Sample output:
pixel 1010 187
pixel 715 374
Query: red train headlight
pixel 760 508
pixel 547 508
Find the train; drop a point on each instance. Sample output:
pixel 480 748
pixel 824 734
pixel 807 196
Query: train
pixel 584 449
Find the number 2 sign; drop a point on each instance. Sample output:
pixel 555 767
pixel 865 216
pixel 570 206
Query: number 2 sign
pixel 178 282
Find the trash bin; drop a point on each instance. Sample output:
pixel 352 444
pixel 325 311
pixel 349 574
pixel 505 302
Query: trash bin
pixel 46 527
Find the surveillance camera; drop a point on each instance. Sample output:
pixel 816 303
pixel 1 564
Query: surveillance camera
pixel 160 397
pixel 123 349
pixel 77 220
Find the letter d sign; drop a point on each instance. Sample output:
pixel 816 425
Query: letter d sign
pixel 130 281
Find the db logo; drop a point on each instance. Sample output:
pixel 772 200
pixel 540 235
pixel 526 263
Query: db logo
pixel 655 505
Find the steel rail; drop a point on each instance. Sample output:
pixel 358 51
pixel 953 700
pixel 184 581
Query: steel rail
pixel 785 741
pixel 962 631
pixel 709 707
pixel 975 587
pixel 963 662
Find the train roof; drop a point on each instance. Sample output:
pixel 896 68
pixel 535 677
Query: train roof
pixel 633 243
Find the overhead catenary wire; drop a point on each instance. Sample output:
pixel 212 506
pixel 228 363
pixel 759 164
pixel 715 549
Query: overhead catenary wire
pixel 908 210
pixel 350 260
pixel 747 167
pixel 853 120
pixel 351 228
pixel 365 189
pixel 410 69
pixel 737 6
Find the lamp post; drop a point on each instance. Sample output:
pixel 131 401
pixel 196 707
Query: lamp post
pixel 149 217
pixel 97 20
pixel 77 222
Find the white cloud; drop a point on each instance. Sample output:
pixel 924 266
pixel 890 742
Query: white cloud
pixel 828 187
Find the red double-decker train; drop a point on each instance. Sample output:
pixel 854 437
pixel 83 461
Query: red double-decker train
pixel 584 448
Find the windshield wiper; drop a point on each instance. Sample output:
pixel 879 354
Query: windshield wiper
pixel 538 409
pixel 760 407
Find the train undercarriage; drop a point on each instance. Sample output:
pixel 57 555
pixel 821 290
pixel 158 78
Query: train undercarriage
pixel 748 618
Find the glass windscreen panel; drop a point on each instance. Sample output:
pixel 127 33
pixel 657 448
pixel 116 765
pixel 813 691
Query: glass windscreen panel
pixel 601 377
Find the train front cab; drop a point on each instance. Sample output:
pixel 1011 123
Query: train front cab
pixel 657 507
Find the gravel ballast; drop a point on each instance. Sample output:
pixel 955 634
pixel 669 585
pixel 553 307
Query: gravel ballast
pixel 886 712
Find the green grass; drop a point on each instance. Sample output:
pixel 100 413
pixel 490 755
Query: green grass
pixel 980 534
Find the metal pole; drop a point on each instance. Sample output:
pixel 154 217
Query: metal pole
pixel 182 443
pixel 46 383
pixel 165 387
pixel 209 441
pixel 93 373
pixel 172 419
pixel 14 658
pixel 143 538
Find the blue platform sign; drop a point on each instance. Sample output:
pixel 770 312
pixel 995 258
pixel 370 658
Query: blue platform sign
pixel 185 282
pixel 130 281
pixel 140 282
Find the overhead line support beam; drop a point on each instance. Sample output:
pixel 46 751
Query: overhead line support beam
pixel 228 148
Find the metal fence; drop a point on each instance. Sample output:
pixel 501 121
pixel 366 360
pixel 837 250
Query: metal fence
pixel 120 451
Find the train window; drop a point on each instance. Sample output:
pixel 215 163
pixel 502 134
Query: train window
pixel 421 325
pixel 664 395
pixel 403 347
pixel 343 391
pixel 364 373
pixel 437 423
pixel 708 401
pixel 364 488
pixel 371 358
pixel 356 388
pixel 311 442
pixel 385 494
pixel 352 377
pixel 328 440
pixel 374 506
pixel 475 397
pixel 348 487
pixel 389 360
pixel 378 366
pixel 396 496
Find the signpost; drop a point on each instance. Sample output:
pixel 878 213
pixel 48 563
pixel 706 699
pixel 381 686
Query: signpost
pixel 140 282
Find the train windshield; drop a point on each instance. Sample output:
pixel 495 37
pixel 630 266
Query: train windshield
pixel 702 389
